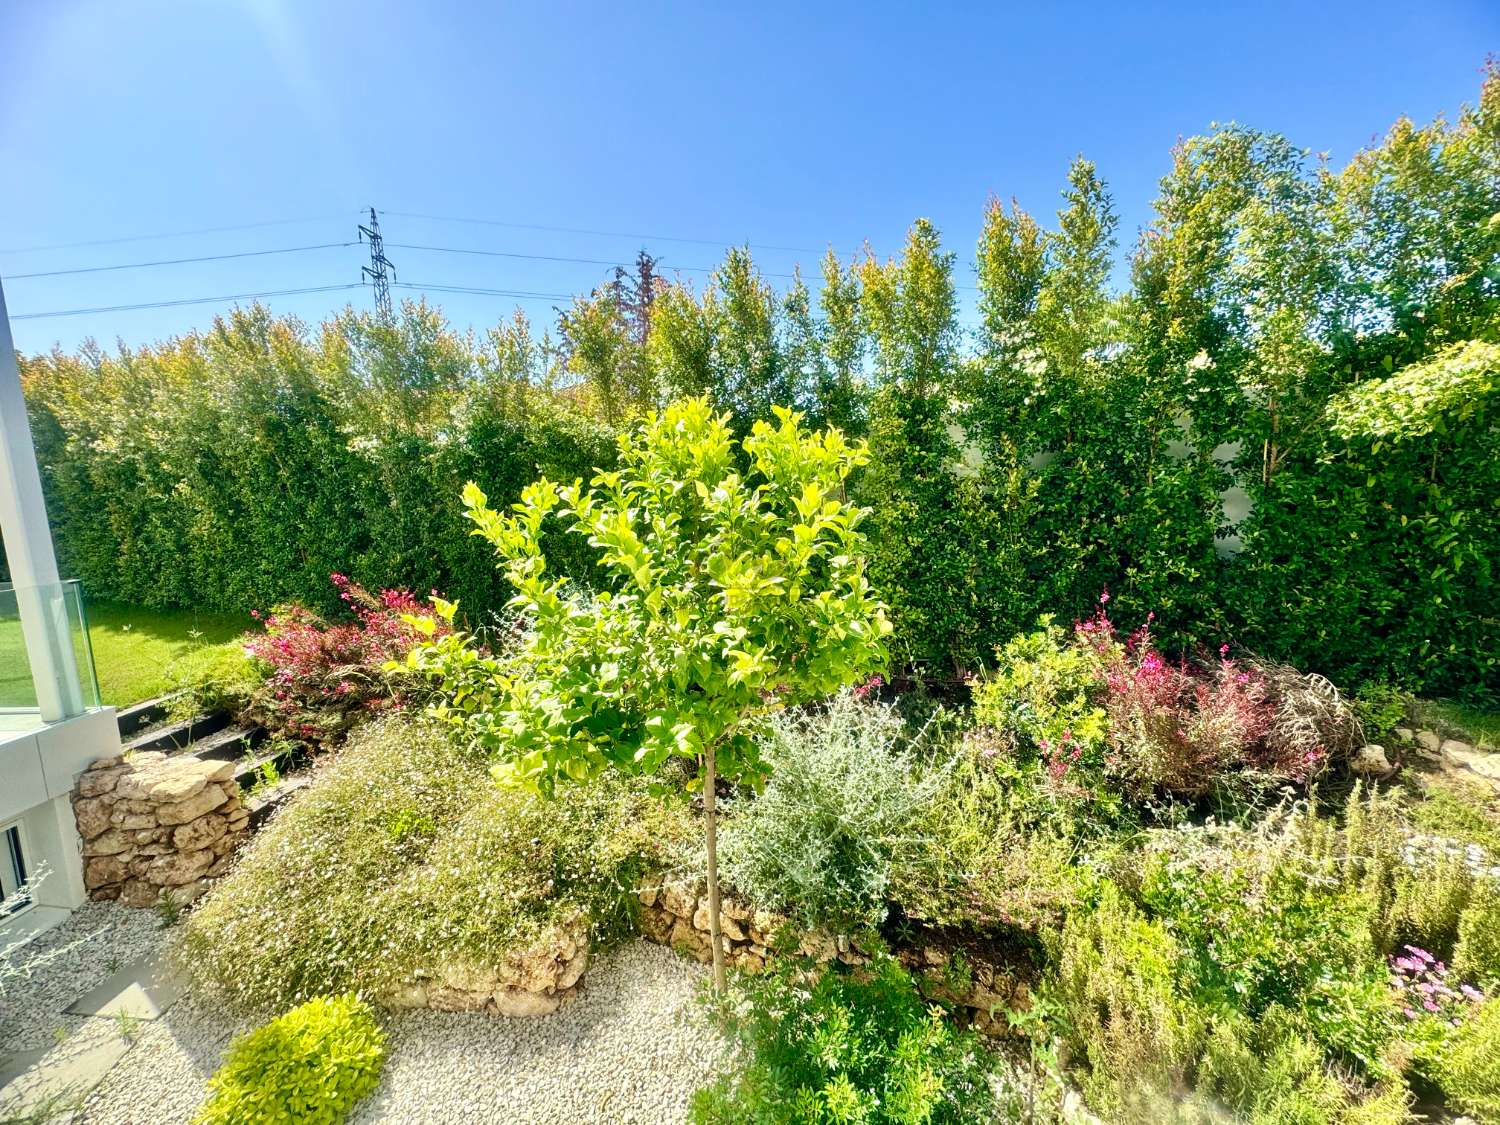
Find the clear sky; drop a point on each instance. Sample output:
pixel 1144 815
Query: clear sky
pixel 791 126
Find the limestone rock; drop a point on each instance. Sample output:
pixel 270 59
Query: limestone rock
pixel 110 842
pixel 1370 761
pixel 105 869
pixel 1459 753
pixel 727 926
pixel 138 894
pixel 680 899
pixel 200 833
pixel 132 822
pixel 1486 765
pixel 1404 734
pixel 1428 740
pixel 98 780
pixel 178 868
pixel 517 1003
pixel 648 895
pixel 93 815
pixel 206 800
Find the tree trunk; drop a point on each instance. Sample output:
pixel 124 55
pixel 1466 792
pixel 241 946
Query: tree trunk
pixel 711 841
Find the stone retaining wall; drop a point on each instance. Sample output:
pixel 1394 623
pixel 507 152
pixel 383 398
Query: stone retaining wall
pixel 535 981
pixel 676 914
pixel 153 824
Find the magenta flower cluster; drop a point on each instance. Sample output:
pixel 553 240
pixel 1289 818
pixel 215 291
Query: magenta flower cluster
pixel 1426 988
pixel 324 673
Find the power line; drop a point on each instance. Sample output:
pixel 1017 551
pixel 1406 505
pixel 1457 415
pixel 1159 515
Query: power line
pixel 170 234
pixel 482 291
pixel 506 254
pixel 181 261
pixel 187 301
pixel 596 233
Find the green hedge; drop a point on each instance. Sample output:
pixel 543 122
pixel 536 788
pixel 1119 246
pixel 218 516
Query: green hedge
pixel 1320 343
pixel 239 468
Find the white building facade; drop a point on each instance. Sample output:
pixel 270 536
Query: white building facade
pixel 51 722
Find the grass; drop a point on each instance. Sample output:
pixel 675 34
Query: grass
pixel 1480 726
pixel 138 653
pixel 141 653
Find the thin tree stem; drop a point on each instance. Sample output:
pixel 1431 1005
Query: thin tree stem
pixel 711 841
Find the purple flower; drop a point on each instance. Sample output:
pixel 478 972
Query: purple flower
pixel 1471 992
pixel 1429 1005
pixel 1419 954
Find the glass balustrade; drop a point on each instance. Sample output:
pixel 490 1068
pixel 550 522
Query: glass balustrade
pixel 45 655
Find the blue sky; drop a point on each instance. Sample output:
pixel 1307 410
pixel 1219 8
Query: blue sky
pixel 789 126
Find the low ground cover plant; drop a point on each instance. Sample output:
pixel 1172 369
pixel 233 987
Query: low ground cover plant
pixel 311 1065
pixel 824 1047
pixel 403 854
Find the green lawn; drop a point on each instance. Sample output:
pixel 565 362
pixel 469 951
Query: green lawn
pixel 140 653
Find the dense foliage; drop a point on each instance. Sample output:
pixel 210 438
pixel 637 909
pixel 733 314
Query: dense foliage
pixel 727 596
pixel 830 1048
pixel 310 1065
pixel 841 809
pixel 1281 433
pixel 238 468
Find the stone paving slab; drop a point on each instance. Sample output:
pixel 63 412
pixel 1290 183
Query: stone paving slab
pixel 143 990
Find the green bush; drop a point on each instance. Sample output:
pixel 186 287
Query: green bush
pixel 1381 708
pixel 1117 981
pixel 404 854
pixel 1476 955
pixel 837 1047
pixel 1467 1066
pixel 1044 692
pixel 1002 842
pixel 308 1066
pixel 843 805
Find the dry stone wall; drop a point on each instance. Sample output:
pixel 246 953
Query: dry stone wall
pixel 153 824
pixel 534 981
pixel 676 914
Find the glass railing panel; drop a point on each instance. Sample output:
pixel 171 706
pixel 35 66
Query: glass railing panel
pixel 55 638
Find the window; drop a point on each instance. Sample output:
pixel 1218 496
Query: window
pixel 15 895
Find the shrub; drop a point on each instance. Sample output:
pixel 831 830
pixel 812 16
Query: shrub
pixel 404 854
pixel 838 1047
pixel 1115 981
pixel 1002 842
pixel 324 675
pixel 843 805
pixel 1042 696
pixel 1467 1066
pixel 310 1065
pixel 727 597
pixel 1178 733
pixel 1476 956
pixel 1381 707
pixel 1313 724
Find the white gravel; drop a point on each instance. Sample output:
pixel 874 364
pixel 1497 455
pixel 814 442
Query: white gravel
pixel 46 974
pixel 630 1049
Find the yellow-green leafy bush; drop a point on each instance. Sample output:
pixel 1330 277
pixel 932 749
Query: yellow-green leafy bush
pixel 309 1066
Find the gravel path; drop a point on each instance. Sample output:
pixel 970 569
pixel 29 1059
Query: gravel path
pixel 44 976
pixel 630 1049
